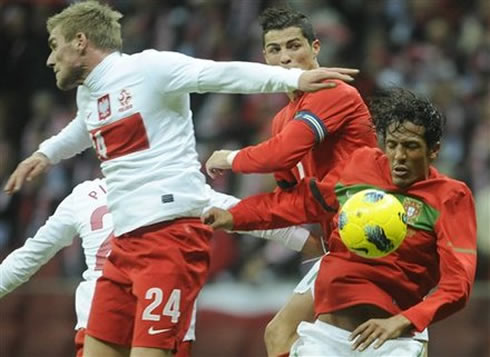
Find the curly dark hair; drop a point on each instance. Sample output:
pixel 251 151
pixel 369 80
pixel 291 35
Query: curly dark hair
pixel 398 105
pixel 281 18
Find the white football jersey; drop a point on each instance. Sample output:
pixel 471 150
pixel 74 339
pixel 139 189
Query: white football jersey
pixel 135 111
pixel 82 214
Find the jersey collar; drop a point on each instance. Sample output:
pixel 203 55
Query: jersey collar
pixel 92 80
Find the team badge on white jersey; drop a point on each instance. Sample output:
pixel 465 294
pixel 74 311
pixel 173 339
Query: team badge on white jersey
pixel 104 107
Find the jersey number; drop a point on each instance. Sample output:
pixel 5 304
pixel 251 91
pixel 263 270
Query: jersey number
pixel 122 137
pixel 171 308
pixel 96 223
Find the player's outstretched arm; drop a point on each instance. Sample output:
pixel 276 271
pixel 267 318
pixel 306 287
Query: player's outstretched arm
pixel 27 170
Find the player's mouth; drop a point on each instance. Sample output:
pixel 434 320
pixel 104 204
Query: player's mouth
pixel 400 171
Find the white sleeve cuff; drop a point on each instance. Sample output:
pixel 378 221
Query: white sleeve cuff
pixel 297 238
pixel 231 156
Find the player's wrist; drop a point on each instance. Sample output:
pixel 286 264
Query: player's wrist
pixel 231 156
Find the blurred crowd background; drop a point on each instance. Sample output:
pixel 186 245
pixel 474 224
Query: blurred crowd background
pixel 439 48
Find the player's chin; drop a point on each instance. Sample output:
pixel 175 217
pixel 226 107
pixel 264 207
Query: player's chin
pixel 65 85
pixel 69 81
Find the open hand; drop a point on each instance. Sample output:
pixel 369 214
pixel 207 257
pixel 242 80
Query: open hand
pixel 28 169
pixel 379 329
pixel 314 79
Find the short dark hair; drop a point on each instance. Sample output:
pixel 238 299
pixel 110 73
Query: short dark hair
pixel 281 18
pixel 397 105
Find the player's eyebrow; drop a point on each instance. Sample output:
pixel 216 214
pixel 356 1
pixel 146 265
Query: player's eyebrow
pixel 287 42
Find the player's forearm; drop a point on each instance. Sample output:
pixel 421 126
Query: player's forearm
pixel 279 209
pixel 451 295
pixel 24 262
pixel 72 140
pixel 281 152
pixel 245 77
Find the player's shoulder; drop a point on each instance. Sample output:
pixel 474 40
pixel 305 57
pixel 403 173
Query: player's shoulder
pixel 85 187
pixel 450 188
pixel 367 153
pixel 341 90
pixel 151 55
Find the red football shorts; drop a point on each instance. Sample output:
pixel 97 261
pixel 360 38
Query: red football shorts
pixel 149 284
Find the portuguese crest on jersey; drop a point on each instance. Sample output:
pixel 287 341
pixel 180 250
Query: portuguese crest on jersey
pixel 413 208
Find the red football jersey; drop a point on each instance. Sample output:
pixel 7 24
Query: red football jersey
pixel 311 136
pixel 438 251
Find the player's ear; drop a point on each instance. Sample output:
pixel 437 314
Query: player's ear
pixel 315 45
pixel 81 42
pixel 434 151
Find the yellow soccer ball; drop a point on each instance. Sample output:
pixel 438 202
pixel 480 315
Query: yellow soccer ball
pixel 372 223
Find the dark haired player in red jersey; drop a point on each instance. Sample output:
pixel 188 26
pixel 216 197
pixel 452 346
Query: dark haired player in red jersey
pixel 374 305
pixel 311 136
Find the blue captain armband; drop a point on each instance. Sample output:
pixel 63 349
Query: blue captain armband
pixel 314 123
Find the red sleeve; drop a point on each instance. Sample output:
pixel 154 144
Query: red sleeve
pixel 280 152
pixel 456 246
pixel 331 108
pixel 308 202
pixel 318 115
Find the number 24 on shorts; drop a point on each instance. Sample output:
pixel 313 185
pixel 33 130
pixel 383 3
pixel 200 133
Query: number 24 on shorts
pixel 171 308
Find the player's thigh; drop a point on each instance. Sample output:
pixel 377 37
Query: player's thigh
pixel 113 307
pixel 167 287
pixel 150 352
pixel 94 347
pixel 79 339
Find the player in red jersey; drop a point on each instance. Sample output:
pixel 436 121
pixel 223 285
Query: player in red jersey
pixel 315 132
pixel 374 305
pixel 311 136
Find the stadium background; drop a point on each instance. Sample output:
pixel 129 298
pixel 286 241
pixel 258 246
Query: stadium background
pixel 439 48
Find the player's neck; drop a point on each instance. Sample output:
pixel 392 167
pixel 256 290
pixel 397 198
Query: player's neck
pixel 95 57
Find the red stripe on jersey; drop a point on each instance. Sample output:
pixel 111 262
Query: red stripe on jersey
pixel 120 138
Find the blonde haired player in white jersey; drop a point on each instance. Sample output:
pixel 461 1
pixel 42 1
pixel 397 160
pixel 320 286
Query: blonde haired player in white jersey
pixel 135 111
pixel 84 214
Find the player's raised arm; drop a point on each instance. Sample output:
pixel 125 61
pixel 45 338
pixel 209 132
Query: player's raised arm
pixel 193 75
pixel 246 77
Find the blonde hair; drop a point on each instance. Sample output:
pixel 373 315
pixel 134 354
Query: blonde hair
pixel 98 22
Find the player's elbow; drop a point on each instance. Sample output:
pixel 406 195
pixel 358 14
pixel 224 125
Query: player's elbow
pixel 460 292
